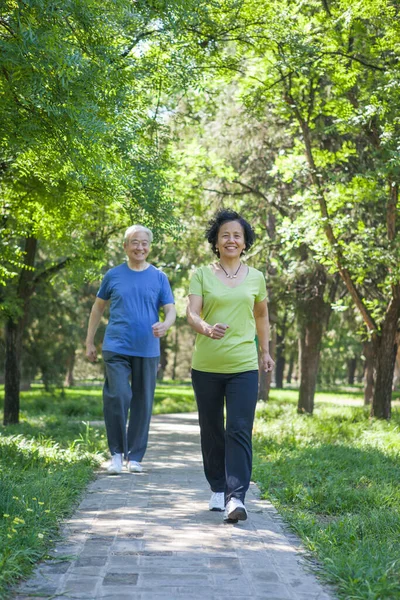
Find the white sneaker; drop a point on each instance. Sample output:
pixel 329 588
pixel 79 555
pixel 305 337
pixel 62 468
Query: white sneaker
pixel 134 467
pixel 217 501
pixel 235 511
pixel 115 465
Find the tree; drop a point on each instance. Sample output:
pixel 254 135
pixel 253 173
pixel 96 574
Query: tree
pixel 231 158
pixel 329 72
pixel 82 151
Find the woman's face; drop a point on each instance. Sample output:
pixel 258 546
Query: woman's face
pixel 231 241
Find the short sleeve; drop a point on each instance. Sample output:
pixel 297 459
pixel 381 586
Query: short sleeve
pixel 104 290
pixel 196 283
pixel 166 295
pixel 262 289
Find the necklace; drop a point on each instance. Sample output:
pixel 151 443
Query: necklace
pixel 227 274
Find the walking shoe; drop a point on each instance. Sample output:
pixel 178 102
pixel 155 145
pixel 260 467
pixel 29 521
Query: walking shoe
pixel 134 466
pixel 115 465
pixel 217 501
pixel 235 511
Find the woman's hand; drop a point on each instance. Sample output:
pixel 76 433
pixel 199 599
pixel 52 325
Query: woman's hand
pixel 217 331
pixel 267 362
pixel 193 311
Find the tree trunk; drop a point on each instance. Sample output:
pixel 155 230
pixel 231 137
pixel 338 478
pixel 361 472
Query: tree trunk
pixel 264 384
pixel 279 370
pixel 312 315
pixel 385 336
pixel 15 325
pixel 327 224
pixel 351 370
pixel 291 367
pixel 309 351
pixel 369 372
pixel 69 377
pixel 163 359
pixel 264 378
pixel 14 329
pixel 396 367
pixel 360 372
pixel 13 335
pixel 385 351
pixel 175 363
pixel 280 357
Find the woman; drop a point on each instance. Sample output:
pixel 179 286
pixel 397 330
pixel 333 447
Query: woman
pixel 131 346
pixel 227 306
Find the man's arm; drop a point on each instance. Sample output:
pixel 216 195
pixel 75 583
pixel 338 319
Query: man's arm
pixel 161 327
pixel 95 316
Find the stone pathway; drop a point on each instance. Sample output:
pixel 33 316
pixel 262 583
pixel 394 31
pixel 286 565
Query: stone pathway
pixel 151 536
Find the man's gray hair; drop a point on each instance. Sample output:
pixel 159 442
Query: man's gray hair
pixel 134 228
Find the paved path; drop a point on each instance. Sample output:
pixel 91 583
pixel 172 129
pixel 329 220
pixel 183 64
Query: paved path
pixel 151 536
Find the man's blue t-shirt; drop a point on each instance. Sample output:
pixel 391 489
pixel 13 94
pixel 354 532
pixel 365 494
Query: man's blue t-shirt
pixel 136 297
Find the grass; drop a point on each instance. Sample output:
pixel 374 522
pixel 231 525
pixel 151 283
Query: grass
pixel 335 479
pixel 46 463
pixel 172 398
pixel 333 476
pixel 83 402
pixel 41 481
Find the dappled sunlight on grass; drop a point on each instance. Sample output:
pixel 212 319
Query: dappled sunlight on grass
pixel 46 464
pixel 87 403
pixel 335 478
pixel 351 396
pixel 171 398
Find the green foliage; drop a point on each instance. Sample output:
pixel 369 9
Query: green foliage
pixel 327 74
pixel 83 149
pixel 55 329
pixel 82 141
pixel 333 477
pixel 341 344
pixel 301 101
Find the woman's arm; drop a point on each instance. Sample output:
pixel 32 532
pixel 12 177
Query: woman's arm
pixel 262 326
pixel 94 320
pixel 193 312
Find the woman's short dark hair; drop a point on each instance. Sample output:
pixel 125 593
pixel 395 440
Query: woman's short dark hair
pixel 224 215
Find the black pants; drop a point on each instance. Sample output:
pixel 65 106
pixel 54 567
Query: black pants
pixel 227 451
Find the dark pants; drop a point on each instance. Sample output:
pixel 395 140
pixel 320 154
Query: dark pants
pixel 227 451
pixel 128 388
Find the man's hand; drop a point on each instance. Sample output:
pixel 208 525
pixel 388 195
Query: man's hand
pixel 159 329
pixel 91 352
pixel 217 331
pixel 267 362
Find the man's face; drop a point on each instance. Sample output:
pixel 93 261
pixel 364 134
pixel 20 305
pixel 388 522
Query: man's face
pixel 137 247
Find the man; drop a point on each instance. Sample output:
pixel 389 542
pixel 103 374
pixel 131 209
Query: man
pixel 131 346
